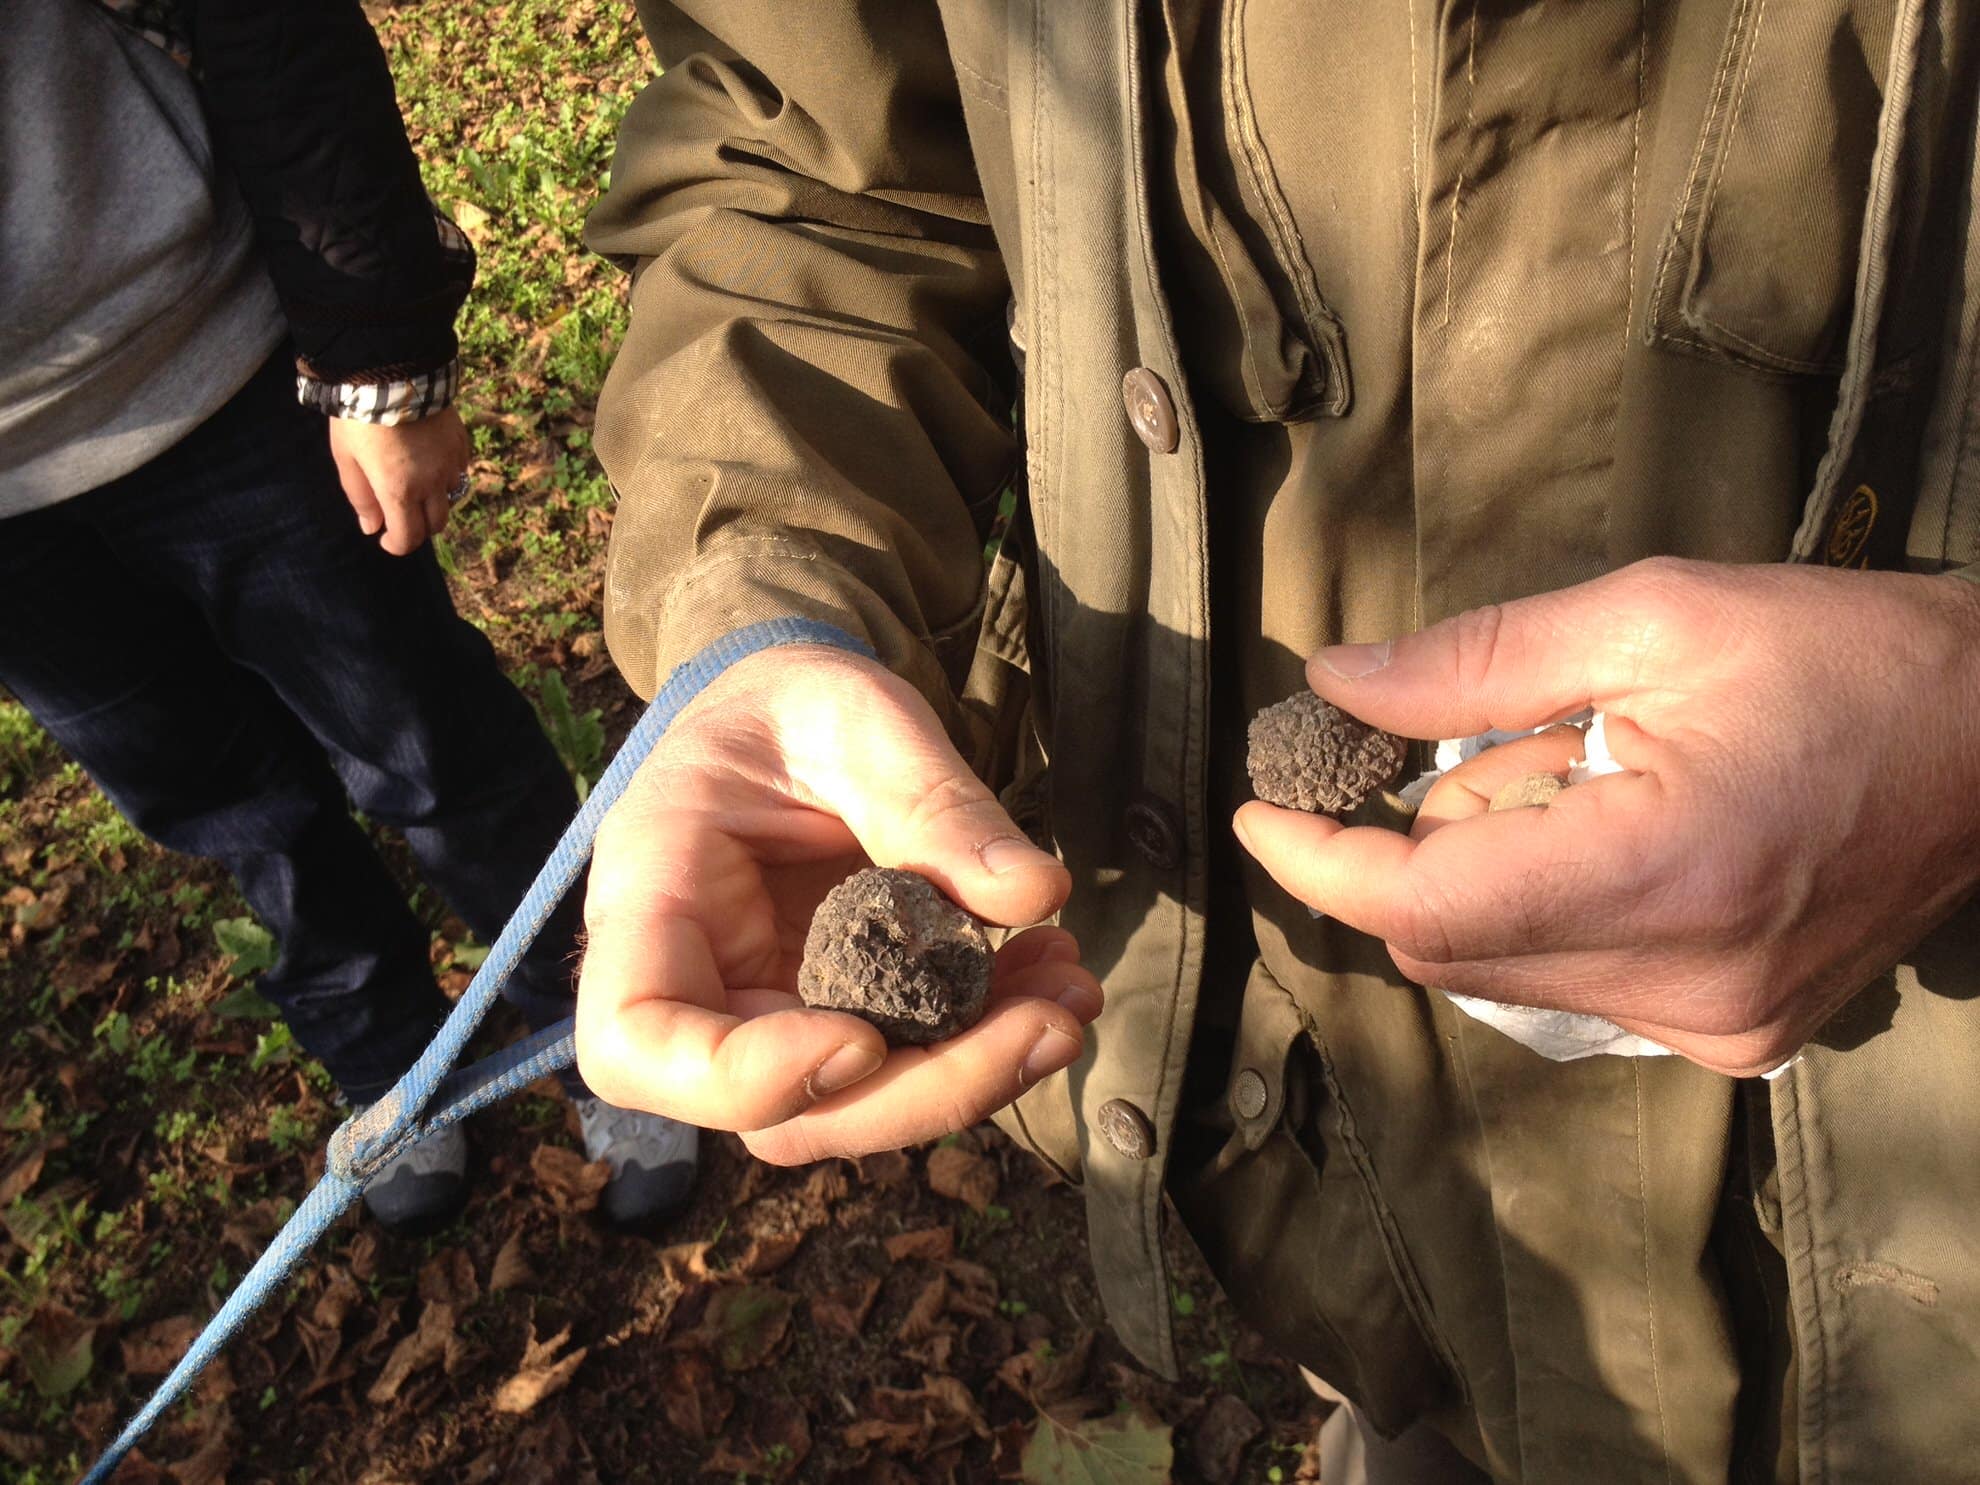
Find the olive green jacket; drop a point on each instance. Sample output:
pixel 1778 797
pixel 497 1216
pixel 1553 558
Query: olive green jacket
pixel 872 244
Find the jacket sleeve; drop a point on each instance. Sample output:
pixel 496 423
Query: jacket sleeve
pixel 810 414
pixel 302 110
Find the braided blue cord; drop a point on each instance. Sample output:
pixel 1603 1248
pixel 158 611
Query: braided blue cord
pixel 366 1142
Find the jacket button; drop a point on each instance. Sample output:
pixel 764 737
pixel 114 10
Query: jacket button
pixel 1150 410
pixel 1151 830
pixel 1126 1128
pixel 1248 1094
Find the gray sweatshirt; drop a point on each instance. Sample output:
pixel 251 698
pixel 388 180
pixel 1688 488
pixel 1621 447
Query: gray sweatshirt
pixel 132 300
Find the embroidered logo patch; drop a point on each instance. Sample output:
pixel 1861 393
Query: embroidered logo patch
pixel 1849 536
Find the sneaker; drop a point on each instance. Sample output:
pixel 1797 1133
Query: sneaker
pixel 653 1160
pixel 424 1186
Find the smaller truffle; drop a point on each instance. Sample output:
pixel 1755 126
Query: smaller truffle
pixel 1308 755
pixel 887 946
pixel 1528 790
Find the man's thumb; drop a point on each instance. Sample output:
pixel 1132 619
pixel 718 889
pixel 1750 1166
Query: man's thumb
pixel 1511 665
pixel 906 793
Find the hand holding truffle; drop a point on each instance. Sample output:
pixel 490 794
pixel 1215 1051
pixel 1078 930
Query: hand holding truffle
pixel 780 782
pixel 1800 800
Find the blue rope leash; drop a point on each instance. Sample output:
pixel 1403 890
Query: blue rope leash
pixel 366 1142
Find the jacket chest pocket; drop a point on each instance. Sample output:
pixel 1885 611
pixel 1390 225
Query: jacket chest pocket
pixel 1758 267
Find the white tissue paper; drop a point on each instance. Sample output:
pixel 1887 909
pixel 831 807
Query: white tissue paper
pixel 1560 1036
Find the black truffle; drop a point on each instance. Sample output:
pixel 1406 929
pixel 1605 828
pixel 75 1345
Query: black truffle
pixel 887 946
pixel 1307 755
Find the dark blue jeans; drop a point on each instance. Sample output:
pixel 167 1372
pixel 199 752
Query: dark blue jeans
pixel 236 665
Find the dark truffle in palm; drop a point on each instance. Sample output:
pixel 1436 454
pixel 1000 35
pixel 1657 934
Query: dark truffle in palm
pixel 1308 755
pixel 887 946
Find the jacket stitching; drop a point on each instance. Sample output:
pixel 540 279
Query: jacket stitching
pixel 1635 160
pixel 1649 1288
pixel 1321 325
pixel 991 92
pixel 1776 360
pixel 1689 204
pixel 1457 190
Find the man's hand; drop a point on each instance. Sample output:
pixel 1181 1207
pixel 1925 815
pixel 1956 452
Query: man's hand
pixel 1801 800
pixel 396 476
pixel 794 769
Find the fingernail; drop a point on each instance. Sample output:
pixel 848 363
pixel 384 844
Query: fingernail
pixel 841 1070
pixel 1048 1054
pixel 1008 853
pixel 1243 835
pixel 1059 951
pixel 1082 1000
pixel 1352 662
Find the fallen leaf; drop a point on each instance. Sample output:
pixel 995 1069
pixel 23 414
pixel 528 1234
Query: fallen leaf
pixel 696 1402
pixel 920 1420
pixel 572 1183
pixel 845 1308
pixel 25 1168
pixel 767 1254
pixel 448 1278
pixel 924 1316
pixel 886 1169
pixel 973 1288
pixel 1122 1449
pixel 540 1374
pixel 425 1346
pixel 962 1176
pixel 156 1348
pixel 340 1296
pixel 511 1270
pixel 932 1243
pixel 772 1446
pixel 320 1343
pixel 1045 1377
pixel 58 1349
pixel 743 1325
pixel 1220 1437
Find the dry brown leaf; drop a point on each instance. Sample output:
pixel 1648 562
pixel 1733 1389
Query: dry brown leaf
pixel 962 1176
pixel 886 1169
pixel 1221 1435
pixel 685 1263
pixel 845 1308
pixel 974 1288
pixel 697 1403
pixel 767 1254
pixel 931 1243
pixel 773 1445
pixel 448 1278
pixel 572 1183
pixel 340 1296
pixel 425 1346
pixel 25 1169
pixel 511 1270
pixel 540 1374
pixel 924 1316
pixel 320 1344
pixel 156 1348
pixel 1044 1377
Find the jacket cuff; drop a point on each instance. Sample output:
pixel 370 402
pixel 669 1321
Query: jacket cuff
pixel 765 576
pixel 394 400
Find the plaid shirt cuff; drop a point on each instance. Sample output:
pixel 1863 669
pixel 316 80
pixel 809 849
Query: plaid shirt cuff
pixel 401 400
